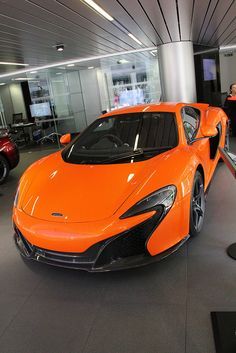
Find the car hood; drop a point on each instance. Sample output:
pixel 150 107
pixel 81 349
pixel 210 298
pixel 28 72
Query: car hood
pixel 63 192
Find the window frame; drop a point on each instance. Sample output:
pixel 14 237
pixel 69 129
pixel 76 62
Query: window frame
pixel 199 123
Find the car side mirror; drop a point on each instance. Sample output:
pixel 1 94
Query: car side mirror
pixel 210 122
pixel 209 131
pixel 65 139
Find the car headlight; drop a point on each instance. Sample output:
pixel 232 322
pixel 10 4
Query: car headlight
pixel 159 201
pixel 16 197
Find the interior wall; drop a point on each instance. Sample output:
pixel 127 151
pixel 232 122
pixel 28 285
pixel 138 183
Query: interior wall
pixel 91 95
pixel 76 100
pixel 17 99
pixel 7 103
pixel 227 70
pixel 104 97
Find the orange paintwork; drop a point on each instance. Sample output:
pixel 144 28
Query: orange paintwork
pixel 93 197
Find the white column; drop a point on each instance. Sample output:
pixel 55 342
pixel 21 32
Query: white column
pixel 177 72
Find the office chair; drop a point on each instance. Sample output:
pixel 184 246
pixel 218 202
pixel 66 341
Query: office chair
pixel 52 137
pixel 21 137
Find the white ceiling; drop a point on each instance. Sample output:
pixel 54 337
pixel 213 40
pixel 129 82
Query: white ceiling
pixel 30 28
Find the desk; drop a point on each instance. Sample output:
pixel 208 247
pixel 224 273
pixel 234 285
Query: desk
pixel 22 126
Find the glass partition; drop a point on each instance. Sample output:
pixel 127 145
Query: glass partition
pixel 67 98
pixel 57 105
pixel 130 80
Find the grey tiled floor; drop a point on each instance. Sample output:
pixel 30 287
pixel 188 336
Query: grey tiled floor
pixel 161 308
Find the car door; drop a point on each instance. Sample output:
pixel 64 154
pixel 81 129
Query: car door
pixel 191 118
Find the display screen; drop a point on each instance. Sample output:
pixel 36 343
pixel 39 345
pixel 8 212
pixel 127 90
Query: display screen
pixel 209 69
pixel 40 110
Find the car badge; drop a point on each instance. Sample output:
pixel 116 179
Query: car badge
pixel 57 214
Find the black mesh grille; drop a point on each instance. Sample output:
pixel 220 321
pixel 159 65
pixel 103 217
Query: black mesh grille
pixel 131 243
pixel 23 244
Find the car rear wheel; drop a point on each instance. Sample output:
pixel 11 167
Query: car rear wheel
pixel 197 206
pixel 4 169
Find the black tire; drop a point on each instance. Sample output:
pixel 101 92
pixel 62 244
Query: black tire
pixel 197 205
pixel 4 169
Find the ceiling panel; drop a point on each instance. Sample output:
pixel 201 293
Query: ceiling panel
pixel 52 25
pixel 200 12
pixel 92 22
pixel 169 10
pixel 36 39
pixel 220 9
pixel 30 29
pixel 152 11
pixel 226 21
pixel 209 14
pixel 185 18
pixel 136 11
pixel 227 37
pixel 127 20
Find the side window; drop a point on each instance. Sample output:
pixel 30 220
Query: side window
pixel 191 121
pixel 105 125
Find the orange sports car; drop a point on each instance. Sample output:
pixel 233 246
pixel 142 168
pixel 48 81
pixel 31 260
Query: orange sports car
pixel 130 189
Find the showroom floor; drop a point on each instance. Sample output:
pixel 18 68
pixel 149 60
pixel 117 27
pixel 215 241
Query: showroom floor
pixel 161 308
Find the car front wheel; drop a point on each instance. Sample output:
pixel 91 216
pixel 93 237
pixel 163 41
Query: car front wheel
pixel 198 205
pixel 4 169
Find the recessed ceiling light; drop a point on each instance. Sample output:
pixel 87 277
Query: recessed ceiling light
pixel 58 73
pixel 9 63
pixel 33 72
pixel 97 8
pixel 135 39
pixel 59 47
pixel 122 61
pixel 70 65
pixel 2 84
pixel 90 67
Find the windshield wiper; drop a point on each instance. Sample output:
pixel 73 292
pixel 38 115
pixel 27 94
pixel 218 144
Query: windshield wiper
pixel 125 155
pixel 135 153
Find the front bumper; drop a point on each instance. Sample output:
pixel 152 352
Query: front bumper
pixel 123 251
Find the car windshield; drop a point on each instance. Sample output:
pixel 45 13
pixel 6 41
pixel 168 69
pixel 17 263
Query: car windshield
pixel 123 139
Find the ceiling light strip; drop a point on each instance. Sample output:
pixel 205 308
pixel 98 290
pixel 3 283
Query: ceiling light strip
pixel 9 63
pixel 102 12
pixel 135 39
pixel 76 61
pixel 97 8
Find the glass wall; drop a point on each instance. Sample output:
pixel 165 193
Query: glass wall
pixel 130 80
pixel 68 98
pixel 57 104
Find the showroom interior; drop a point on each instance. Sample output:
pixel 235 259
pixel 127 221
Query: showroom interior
pixel 64 63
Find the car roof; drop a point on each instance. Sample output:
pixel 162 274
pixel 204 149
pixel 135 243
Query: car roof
pixel 153 107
